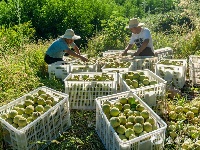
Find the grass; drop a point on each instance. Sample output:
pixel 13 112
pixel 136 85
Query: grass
pixel 81 135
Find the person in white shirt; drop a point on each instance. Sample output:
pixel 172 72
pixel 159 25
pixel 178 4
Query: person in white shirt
pixel 141 37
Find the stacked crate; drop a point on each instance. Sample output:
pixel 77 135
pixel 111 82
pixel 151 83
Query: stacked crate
pixel 144 62
pixel 83 67
pixel 84 87
pixel 117 66
pixel 150 93
pixel 153 140
pixel 173 71
pixel 59 69
pixel 45 128
pixel 194 69
pixel 164 53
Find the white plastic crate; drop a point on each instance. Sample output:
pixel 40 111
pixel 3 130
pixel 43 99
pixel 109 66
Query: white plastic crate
pixel 194 69
pixel 150 141
pixel 83 93
pixel 142 62
pixel 59 69
pixel 151 93
pixel 173 74
pixel 47 127
pixel 164 53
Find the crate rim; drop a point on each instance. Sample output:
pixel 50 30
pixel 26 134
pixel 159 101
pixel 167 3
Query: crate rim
pixel 91 73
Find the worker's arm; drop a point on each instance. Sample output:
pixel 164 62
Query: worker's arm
pixel 75 55
pixel 126 49
pixel 77 50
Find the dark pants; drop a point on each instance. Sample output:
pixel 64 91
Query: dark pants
pixel 147 52
pixel 50 60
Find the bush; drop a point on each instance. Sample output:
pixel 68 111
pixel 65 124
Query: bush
pixel 13 38
pixel 114 35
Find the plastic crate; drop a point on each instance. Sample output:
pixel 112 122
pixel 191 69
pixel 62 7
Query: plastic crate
pixel 149 94
pixel 47 127
pixel 194 69
pixel 150 141
pixel 173 74
pixel 142 62
pixel 59 69
pixel 164 53
pixel 83 93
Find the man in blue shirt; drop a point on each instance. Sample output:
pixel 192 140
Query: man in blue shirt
pixel 61 46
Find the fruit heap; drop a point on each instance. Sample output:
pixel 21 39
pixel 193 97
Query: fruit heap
pixel 29 110
pixel 128 118
pixel 183 122
pixel 137 79
pixel 85 77
pixel 117 64
pixel 90 61
pixel 171 62
pixel 103 60
pixel 82 69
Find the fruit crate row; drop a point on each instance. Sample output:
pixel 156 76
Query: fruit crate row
pixel 61 69
pixel 194 69
pixel 84 87
pixel 41 115
pixel 125 122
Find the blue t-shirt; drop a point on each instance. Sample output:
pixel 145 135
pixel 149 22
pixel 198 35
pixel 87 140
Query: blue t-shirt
pixel 56 49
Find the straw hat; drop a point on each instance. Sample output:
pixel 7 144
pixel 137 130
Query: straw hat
pixel 134 23
pixel 69 34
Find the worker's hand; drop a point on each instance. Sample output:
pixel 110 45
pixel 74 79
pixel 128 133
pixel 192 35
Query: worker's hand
pixel 124 53
pixel 84 59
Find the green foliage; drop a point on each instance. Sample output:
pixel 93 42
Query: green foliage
pixel 51 18
pixel 114 35
pixel 188 45
pixel 142 8
pixel 8 13
pixel 21 73
pixel 14 37
pixel 166 22
pixel 115 30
